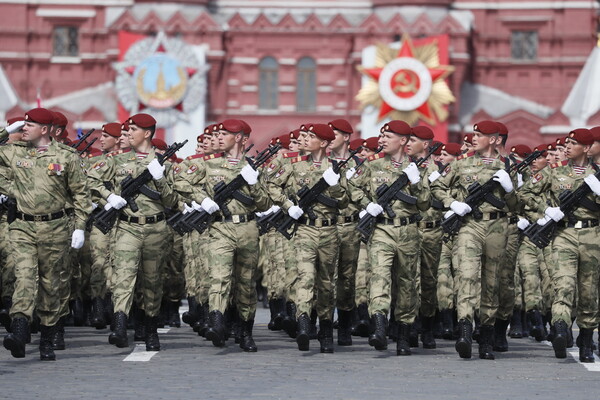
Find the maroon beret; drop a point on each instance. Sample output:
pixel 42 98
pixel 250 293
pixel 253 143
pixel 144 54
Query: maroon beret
pixel 356 144
pixel 452 148
pixel 486 127
pixel 246 128
pixel 543 148
pixel 142 120
pixel 159 144
pixel 422 132
pixel 233 126
pixel 371 143
pixel 596 133
pixel 40 116
pixel 322 131
pixel 295 134
pixel 341 125
pixel 438 151
pixel 502 129
pixel 468 138
pixel 14 119
pixel 63 134
pixel 521 150
pixel 59 119
pixel 200 138
pixel 125 126
pixel 304 127
pixel 285 140
pixel 561 142
pixel 113 129
pixel 209 129
pixel 582 136
pixel 551 146
pixel 398 127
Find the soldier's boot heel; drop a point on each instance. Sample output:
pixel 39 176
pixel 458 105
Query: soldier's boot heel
pixel 247 341
pixel 303 334
pixel 98 320
pixel 119 336
pixel 499 342
pixel 464 342
pixel 46 350
pixel 403 343
pixel 279 314
pixel 152 341
pixel 586 353
pixel 191 316
pixel 448 324
pixel 174 317
pixel 537 325
pixel 486 342
pixel 289 323
pixel 516 324
pixel 427 337
pixel 216 331
pixel 15 341
pixel 362 327
pixel 559 344
pixel 325 335
pixel 139 329
pixel 58 335
pixel 344 336
pixel 378 339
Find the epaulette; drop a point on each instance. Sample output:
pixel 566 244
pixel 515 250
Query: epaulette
pixel 299 158
pixel 213 156
pixel 90 156
pixel 117 152
pixel 559 164
pixel 291 154
pixel 194 156
pixel 466 155
pixel 66 147
pixel 376 156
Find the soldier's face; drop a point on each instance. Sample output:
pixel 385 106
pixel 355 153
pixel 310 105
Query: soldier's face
pixel 595 149
pixel 228 139
pixel 392 143
pixel 539 163
pixel 199 148
pixel 340 140
pixel 466 147
pixel 107 142
pixel 366 152
pixel 551 156
pixel 575 150
pixel 206 144
pixel 314 143
pixel 294 145
pixel 415 146
pixel 561 153
pixel 138 135
pixel 446 158
pixel 33 131
pixel 302 139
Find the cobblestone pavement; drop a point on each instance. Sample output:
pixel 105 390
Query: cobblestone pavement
pixel 190 367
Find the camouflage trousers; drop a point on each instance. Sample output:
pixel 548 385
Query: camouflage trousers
pixel 70 277
pixel 430 249
pixel 101 268
pixel 546 269
pixel 291 268
pixel 172 276
pixel 576 271
pixel 347 264
pixel 394 255
pixel 7 264
pixel 189 266
pixel 506 274
pixel 363 276
pixel 40 250
pixel 232 253
pixel 480 247
pixel 317 256
pixel 446 295
pixel 200 244
pixel 274 273
pixel 527 276
pixel 140 249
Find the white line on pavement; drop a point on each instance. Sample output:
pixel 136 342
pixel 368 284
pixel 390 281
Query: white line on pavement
pixel 139 353
pixel 574 352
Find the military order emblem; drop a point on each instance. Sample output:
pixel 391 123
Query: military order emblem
pixel 407 84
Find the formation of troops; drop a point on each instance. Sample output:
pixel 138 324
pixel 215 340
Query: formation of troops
pixel 389 238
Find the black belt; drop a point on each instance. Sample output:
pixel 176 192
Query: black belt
pixel 513 220
pixel 346 220
pixel 319 222
pixel 143 220
pixel 584 223
pixel 429 224
pixel 236 219
pixel 40 218
pixel 398 221
pixel 489 216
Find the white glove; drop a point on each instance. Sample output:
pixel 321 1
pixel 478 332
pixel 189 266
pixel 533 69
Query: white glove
pixel 593 183
pixel 208 205
pixel 15 126
pixel 331 177
pixel 250 175
pixel 502 177
pixel 519 181
pixel 412 172
pixel 77 239
pixel 187 209
pixel 448 214
pixel 555 213
pixel 115 201
pixel 362 214
pixel 271 210
pixel 374 209
pixel 3 198
pixel 94 205
pixel 295 212
pixel 543 221
pixel 522 224
pixel 434 176
pixel 350 173
pixel 460 208
pixel 156 170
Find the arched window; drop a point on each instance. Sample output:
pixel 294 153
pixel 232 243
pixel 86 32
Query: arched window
pixel 306 87
pixel 268 84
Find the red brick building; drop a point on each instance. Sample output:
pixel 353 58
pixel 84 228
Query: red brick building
pixel 278 64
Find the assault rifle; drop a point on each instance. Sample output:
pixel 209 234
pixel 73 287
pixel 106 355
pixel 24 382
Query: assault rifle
pixel 479 193
pixel 542 235
pixel 131 188
pixel 435 203
pixel 223 194
pixel 83 138
pixel 281 220
pixel 386 195
pixel 87 146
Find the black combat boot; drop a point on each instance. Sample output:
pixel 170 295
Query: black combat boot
pixel 465 338
pixel 191 316
pixel 303 335
pixel 500 343
pixel 586 353
pixel 77 311
pixel 403 342
pixel 119 336
pixel 216 330
pixel 174 318
pixel 560 339
pixel 203 321
pixel 486 341
pixel 344 336
pixel 236 328
pixel 98 320
pixel 427 332
pixel 361 327
pixel 15 341
pixel 289 321
pixel 139 330
pixel 313 324
pixel 377 338
pixel 392 328
pixel 87 312
pixel 152 342
pixel 46 350
pixel 5 313
pixel 247 341
pixel 448 324
pixel 548 320
pixel 438 326
pixel 279 315
pixel 325 335
pixel 272 310
pixel 58 334
pixel 109 310
pixel 415 328
pixel 570 341
pixel 476 327
pixel 537 326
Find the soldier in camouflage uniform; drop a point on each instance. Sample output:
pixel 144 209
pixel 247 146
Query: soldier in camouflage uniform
pixel 47 177
pixel 575 246
pixel 316 241
pixel 393 249
pixel 481 241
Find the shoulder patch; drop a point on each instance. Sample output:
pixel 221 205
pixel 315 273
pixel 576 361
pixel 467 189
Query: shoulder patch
pixel 194 156
pixel 291 154
pixel 177 170
pixel 447 170
pixel 559 164
pixel 376 156
pixel 213 156
pixel 99 165
pixel 299 158
pixel 537 177
pixel 117 152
